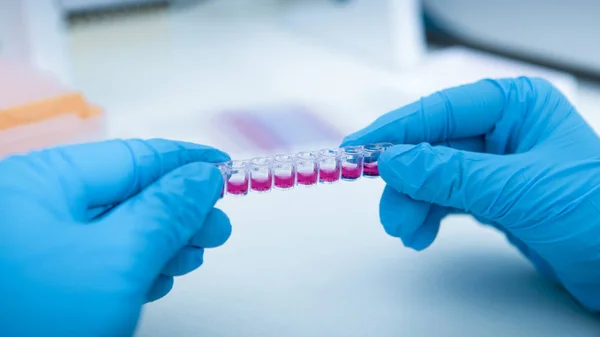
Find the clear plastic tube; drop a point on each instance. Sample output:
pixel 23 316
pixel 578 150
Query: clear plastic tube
pixel 352 163
pixel 371 159
pixel 329 166
pixel 237 182
pixel 224 168
pixel 307 168
pixel 261 177
pixel 284 171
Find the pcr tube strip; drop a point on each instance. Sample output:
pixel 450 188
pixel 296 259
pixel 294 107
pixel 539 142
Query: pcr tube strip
pixel 306 169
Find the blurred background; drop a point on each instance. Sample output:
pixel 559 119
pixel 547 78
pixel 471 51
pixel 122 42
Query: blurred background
pixel 257 76
pixel 266 76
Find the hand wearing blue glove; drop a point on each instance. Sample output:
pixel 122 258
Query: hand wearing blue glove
pixel 89 233
pixel 515 154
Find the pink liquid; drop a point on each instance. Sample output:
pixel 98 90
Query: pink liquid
pixel 237 187
pixel 350 173
pixel 262 185
pixel 329 176
pixel 284 181
pixel 370 170
pixel 307 178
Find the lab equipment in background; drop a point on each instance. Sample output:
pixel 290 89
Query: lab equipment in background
pixel 308 168
pixel 458 65
pixel 37 111
pixel 385 32
pixel 34 32
pixel 558 33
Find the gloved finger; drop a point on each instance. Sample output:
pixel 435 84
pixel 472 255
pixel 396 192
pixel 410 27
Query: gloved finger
pixel 402 216
pixel 215 231
pixel 115 170
pixel 186 260
pixel 459 112
pixel 161 287
pixel 448 177
pixel 424 236
pixel 472 144
pixel 163 218
pixel 416 223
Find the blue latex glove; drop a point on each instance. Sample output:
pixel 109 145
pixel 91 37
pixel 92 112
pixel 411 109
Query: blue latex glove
pixel 515 154
pixel 89 233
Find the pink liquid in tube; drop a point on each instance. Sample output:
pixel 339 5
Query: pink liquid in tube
pixel 350 173
pixel 261 185
pixel 371 170
pixel 237 187
pixel 284 182
pixel 307 178
pixel 330 176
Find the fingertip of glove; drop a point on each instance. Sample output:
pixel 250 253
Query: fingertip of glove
pixel 188 259
pixel 391 226
pixel 196 151
pixel 198 184
pixel 425 235
pixel 389 160
pixel 400 215
pixel 401 149
pixel 210 154
pixel 347 141
pixel 220 157
pixel 417 243
pixel 406 164
pixel 215 231
pixel 206 172
pixel 161 287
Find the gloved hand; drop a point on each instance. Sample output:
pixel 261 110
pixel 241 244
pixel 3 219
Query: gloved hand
pixel 515 154
pixel 89 233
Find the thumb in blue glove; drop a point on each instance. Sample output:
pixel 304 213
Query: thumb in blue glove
pixel 515 154
pixel 91 232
